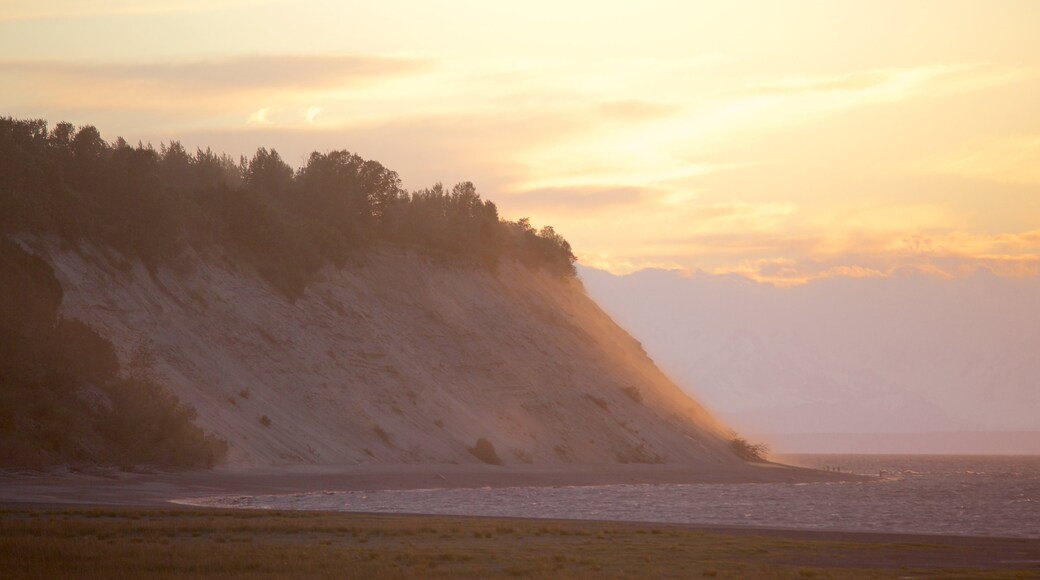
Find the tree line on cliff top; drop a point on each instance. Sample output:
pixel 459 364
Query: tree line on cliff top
pixel 64 397
pixel 151 203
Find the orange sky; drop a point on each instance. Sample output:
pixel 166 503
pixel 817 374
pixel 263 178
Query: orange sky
pixel 785 141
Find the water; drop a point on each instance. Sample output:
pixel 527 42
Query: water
pixel 960 495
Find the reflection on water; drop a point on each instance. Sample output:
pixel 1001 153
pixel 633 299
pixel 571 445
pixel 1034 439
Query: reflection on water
pixel 989 496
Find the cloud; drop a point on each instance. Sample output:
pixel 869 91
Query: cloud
pixel 1013 159
pixel 422 148
pixel 774 243
pixel 21 10
pixel 636 110
pixel 582 198
pixel 741 210
pixel 890 83
pixel 794 272
pixel 856 81
pixel 260 117
pixel 231 74
pixel 946 254
pixel 696 176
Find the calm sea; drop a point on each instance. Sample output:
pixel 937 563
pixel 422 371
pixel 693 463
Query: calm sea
pixel 962 495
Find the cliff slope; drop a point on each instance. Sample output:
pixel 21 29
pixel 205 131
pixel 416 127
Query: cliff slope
pixel 405 358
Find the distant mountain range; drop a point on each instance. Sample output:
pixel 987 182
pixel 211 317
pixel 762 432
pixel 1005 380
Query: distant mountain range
pixel 910 353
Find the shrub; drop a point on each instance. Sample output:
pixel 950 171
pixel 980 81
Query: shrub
pixel 148 424
pixel 485 452
pixel 523 456
pixel 562 452
pixel 633 393
pixel 638 454
pixel 748 451
pixel 62 397
pixel 600 402
pixel 265 421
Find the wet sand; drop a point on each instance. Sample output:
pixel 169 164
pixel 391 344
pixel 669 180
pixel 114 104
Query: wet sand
pixel 111 487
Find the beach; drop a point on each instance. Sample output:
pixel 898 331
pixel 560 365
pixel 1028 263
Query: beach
pixel 109 523
pixel 112 487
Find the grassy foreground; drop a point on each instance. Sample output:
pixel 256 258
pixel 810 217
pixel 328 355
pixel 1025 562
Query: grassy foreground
pixel 198 543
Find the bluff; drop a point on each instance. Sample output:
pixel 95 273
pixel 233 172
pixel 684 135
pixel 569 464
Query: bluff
pixel 318 315
pixel 405 357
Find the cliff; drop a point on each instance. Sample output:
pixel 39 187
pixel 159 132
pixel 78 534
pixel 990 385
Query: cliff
pixel 406 357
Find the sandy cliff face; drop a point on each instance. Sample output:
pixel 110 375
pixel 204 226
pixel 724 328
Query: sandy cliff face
pixel 403 359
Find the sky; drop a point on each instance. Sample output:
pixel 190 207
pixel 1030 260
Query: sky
pixel 784 141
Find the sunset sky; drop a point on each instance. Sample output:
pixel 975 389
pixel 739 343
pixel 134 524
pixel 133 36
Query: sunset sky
pixel 783 140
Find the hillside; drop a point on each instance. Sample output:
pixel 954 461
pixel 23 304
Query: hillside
pixel 406 358
pixel 64 396
pixel 321 315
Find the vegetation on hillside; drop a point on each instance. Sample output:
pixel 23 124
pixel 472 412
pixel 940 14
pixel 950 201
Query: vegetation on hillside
pixel 744 449
pixel 63 397
pixel 484 450
pixel 152 203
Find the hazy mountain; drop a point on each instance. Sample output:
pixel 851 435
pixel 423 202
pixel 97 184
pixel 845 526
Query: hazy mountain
pixel 907 353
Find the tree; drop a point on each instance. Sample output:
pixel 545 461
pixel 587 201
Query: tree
pixel 330 189
pixel 267 173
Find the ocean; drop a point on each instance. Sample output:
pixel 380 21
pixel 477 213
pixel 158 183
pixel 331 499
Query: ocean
pixel 929 494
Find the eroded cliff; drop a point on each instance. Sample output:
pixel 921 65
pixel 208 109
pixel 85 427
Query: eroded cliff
pixel 404 358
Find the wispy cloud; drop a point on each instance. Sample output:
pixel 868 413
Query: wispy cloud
pixel 423 148
pixel 260 117
pixel 21 10
pixel 947 254
pixel 856 81
pixel 1008 159
pixel 779 244
pixel 790 272
pixel 636 110
pixel 241 73
pixel 633 174
pixel 583 198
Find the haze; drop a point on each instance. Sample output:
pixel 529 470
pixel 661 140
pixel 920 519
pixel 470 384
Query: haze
pixel 910 363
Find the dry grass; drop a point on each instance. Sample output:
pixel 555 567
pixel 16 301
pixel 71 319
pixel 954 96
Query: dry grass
pixel 197 543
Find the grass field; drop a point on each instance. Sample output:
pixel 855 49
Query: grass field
pixel 203 543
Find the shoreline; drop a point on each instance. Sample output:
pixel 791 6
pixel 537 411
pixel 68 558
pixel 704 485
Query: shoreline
pixel 822 534
pixel 127 521
pixel 111 487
